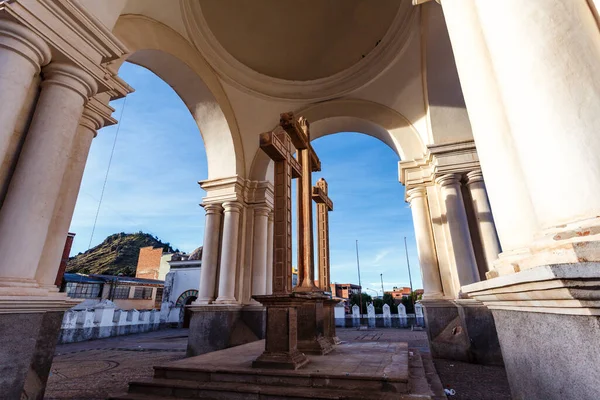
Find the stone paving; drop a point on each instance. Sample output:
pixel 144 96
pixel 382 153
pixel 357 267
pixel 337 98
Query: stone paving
pixel 93 370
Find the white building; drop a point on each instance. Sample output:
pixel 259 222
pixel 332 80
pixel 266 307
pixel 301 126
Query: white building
pixel 181 287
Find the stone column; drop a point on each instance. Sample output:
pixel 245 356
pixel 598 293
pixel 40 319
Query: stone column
pixel 508 194
pixel 550 97
pixel 229 245
pixel 22 53
pixel 458 229
pixel 35 186
pixel 269 277
pixel 65 205
pixel 260 249
pixel 430 272
pixel 485 219
pixel 210 254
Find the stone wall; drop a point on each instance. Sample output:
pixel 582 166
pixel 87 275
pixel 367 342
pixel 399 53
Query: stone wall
pixel 104 321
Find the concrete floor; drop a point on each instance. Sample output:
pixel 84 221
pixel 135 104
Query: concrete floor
pixel 93 370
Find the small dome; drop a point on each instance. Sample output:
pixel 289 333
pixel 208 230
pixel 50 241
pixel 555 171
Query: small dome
pixel 196 254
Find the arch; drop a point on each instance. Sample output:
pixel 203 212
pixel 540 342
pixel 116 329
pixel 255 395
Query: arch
pixel 354 115
pixel 168 55
pixel 182 299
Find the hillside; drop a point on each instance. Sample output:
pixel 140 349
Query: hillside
pixel 117 254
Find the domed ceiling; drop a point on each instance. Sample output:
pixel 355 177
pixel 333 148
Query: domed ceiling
pixel 298 48
pixel 299 40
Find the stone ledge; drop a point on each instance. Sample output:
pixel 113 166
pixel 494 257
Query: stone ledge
pixel 556 289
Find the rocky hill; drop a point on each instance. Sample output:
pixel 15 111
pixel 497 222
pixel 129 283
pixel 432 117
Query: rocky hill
pixel 117 254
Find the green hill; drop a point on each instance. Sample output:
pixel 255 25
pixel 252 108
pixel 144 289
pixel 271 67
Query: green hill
pixel 117 254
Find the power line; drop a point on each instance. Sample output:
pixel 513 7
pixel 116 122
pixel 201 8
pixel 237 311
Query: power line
pixel 107 171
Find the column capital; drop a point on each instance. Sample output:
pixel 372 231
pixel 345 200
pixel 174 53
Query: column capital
pixel 474 176
pixel 22 40
pixel 448 179
pixel 71 77
pixel 91 120
pixel 416 192
pixel 232 206
pixel 212 208
pixel 262 210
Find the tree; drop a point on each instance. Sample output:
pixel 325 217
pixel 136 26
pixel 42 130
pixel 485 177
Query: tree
pixel 389 300
pixel 366 299
pixel 407 302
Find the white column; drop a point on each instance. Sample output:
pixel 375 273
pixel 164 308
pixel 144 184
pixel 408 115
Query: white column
pixel 22 53
pixel 229 253
pixel 210 254
pixel 485 219
pixel 65 205
pixel 430 272
pixel 458 229
pixel 269 277
pixel 546 56
pixel 35 185
pixel 259 250
pixel 507 190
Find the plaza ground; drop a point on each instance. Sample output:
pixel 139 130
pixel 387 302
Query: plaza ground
pixel 96 369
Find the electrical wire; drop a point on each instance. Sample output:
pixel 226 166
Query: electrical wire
pixel 107 171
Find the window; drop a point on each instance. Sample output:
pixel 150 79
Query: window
pixel 158 299
pixel 120 292
pixel 83 290
pixel 142 293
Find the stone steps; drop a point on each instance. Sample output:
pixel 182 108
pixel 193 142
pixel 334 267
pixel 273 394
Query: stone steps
pixel 281 378
pixel 173 389
pixel 376 371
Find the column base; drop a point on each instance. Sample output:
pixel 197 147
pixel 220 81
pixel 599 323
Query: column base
pixel 548 320
pixel 27 344
pixel 217 327
pixel 462 330
pixel 550 356
pixel 225 301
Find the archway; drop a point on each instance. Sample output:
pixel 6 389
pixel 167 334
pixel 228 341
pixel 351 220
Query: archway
pixel 353 115
pixel 168 55
pixel 185 299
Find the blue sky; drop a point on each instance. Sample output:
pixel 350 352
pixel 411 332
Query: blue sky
pixel 159 158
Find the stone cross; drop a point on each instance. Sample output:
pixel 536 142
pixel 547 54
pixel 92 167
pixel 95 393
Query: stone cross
pixel 298 129
pixel 324 205
pixel 278 146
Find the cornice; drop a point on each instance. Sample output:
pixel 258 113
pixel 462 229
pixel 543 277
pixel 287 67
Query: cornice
pixel 248 80
pixel 443 159
pixel 73 35
pixel 235 188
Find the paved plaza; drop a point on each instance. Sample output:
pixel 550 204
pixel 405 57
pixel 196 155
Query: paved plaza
pixel 95 369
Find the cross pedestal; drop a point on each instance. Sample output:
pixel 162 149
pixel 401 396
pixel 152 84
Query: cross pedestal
pixel 281 341
pixel 329 321
pixel 311 325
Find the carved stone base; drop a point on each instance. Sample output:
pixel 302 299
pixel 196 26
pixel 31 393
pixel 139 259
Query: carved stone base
pixel 329 321
pixel 284 360
pixel 281 341
pixel 311 316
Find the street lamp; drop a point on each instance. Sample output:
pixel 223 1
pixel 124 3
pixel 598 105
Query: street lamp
pixel 373 290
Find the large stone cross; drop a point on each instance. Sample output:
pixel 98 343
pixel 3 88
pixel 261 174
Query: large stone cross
pixel 278 146
pixel 324 205
pixel 298 129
